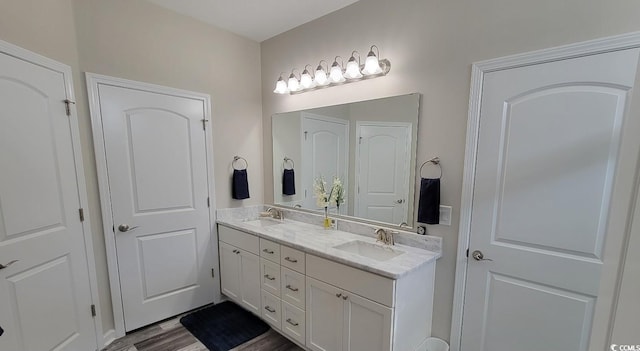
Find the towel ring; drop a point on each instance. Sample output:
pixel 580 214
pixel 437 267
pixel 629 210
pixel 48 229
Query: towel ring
pixel 236 159
pixel 435 161
pixel 284 163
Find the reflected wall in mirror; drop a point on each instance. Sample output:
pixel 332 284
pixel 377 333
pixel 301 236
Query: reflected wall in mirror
pixel 369 145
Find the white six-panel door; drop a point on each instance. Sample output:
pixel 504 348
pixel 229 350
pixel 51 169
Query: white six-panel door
pixel 45 295
pixel 547 158
pixel 382 171
pixel 156 157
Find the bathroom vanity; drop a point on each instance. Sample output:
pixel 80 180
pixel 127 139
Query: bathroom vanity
pixel 328 289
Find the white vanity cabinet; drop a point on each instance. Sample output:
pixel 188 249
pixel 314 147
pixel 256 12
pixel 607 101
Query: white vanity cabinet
pixel 240 268
pixel 324 305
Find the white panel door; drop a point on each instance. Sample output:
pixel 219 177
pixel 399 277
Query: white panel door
pixel 546 163
pixel 156 157
pixel 382 177
pixel 325 152
pixel 45 294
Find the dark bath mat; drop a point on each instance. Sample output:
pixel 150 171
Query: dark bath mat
pixel 224 326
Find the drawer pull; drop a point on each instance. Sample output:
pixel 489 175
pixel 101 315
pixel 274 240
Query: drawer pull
pixel 269 309
pixel 269 277
pixel 292 260
pixel 270 252
pixel 292 289
pixel 295 324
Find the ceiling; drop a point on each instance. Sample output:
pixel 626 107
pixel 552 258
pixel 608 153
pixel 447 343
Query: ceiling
pixel 255 19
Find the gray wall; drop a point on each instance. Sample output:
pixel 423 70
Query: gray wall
pixel 137 40
pixel 431 45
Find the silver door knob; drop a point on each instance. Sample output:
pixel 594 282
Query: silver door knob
pixel 125 228
pixel 400 201
pixel 479 256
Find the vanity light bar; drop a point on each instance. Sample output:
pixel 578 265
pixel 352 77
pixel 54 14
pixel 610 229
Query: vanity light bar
pixel 338 74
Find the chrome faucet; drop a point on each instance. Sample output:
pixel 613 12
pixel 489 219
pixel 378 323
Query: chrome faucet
pixel 275 213
pixel 386 237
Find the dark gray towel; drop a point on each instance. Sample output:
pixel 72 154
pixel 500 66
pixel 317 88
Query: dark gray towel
pixel 288 182
pixel 429 202
pixel 240 184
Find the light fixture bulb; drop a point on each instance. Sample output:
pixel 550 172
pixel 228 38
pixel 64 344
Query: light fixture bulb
pixel 305 79
pixel 335 74
pixel 281 86
pixel 321 76
pixel 372 65
pixel 293 83
pixel 353 69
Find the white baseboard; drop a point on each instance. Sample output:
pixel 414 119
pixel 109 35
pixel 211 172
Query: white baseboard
pixel 108 337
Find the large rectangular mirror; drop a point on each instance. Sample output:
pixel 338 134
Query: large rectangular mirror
pixel 369 145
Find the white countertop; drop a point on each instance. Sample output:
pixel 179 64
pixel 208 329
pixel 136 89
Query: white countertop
pixel 318 241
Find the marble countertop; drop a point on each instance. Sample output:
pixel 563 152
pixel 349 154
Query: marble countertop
pixel 318 241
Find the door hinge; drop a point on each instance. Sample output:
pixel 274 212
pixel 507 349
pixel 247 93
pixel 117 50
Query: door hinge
pixel 208 202
pixel 68 103
pixel 81 213
pixel 93 311
pixel 204 124
pixel 467 252
pixel 213 273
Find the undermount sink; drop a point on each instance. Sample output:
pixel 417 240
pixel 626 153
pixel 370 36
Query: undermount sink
pixel 369 250
pixel 263 222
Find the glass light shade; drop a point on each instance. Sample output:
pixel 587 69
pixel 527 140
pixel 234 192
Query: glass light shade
pixel 281 87
pixel 293 83
pixel 353 69
pixel 336 73
pixel 305 80
pixel 372 65
pixel 321 76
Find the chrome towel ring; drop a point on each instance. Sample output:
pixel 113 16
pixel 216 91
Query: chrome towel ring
pixel 434 161
pixel 236 159
pixel 288 160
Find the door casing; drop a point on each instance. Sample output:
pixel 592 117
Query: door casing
pixel 610 281
pixel 65 71
pixel 93 81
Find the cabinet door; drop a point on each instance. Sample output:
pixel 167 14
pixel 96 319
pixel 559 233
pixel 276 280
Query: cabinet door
pixel 324 316
pixel 250 281
pixel 230 271
pixel 367 324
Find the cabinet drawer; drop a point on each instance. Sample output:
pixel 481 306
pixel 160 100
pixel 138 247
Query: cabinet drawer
pixel 242 240
pixel 293 287
pixel 271 309
pixel 368 285
pixel 270 276
pixel 293 322
pixel 292 258
pixel 270 250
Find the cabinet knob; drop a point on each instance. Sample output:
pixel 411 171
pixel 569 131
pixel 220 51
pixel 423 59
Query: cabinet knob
pixel 345 297
pixel 338 295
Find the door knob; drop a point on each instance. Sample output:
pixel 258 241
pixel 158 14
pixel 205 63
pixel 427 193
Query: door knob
pixel 400 201
pixel 125 228
pixel 479 256
pixel 3 266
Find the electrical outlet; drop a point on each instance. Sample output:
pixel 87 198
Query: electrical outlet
pixel 445 215
pixel 334 224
